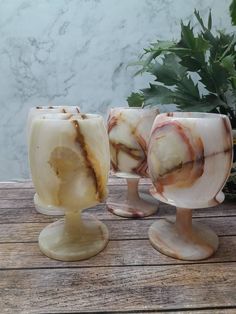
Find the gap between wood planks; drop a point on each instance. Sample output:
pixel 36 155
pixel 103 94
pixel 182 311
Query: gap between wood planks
pixel 204 310
pixel 117 254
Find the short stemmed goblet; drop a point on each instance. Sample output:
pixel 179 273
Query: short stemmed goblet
pixel 189 159
pixel 40 111
pixel 69 161
pixel 128 130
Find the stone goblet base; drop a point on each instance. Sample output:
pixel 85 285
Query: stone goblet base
pixel 130 204
pixel 73 238
pixel 183 239
pixel 45 209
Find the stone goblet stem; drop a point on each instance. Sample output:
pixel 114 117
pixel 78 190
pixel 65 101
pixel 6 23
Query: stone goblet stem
pixel 131 205
pixel 73 222
pixel 183 238
pixel 132 191
pixel 73 237
pixel 184 220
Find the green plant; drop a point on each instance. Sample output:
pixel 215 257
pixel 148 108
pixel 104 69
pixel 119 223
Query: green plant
pixel 232 10
pixel 197 73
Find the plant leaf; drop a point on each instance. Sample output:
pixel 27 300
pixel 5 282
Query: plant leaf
pixel 228 64
pixel 169 72
pixel 207 104
pixel 207 80
pixel 187 36
pixel 206 33
pixel 214 77
pixel 220 77
pixel 232 10
pixel 209 25
pixel 187 87
pixel 190 63
pixel 135 100
pixel 156 95
pixel 197 14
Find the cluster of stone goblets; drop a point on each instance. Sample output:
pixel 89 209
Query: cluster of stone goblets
pixel 188 157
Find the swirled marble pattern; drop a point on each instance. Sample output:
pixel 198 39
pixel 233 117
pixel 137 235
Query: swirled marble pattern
pixel 190 158
pixel 129 130
pixel 76 52
pixel 69 159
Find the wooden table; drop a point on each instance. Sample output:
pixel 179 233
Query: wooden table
pixel 129 276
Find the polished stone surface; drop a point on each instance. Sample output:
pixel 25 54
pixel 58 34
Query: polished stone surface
pixel 129 130
pixel 189 160
pixel 69 160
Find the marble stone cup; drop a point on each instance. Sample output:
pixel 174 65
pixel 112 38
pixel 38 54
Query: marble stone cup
pixel 48 209
pixel 189 159
pixel 69 162
pixel 128 130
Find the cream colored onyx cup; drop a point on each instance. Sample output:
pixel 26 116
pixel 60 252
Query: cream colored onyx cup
pixel 129 130
pixel 48 209
pixel 189 159
pixel 69 162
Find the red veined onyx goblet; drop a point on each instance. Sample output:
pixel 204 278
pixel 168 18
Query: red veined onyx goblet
pixel 189 159
pixel 41 111
pixel 69 161
pixel 128 130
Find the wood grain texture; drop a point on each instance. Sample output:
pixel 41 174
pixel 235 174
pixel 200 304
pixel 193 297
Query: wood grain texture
pixel 117 253
pixel 118 288
pixel 28 193
pixel 28 214
pixel 16 205
pixel 129 276
pixel 118 229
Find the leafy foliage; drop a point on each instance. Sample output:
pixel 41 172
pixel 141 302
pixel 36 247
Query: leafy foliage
pixel 135 100
pixel 210 57
pixel 232 9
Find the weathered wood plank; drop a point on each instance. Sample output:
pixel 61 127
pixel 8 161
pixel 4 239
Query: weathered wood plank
pixel 22 198
pixel 15 184
pixel 117 253
pixel 17 194
pixel 119 229
pixel 118 288
pixel 28 194
pixel 20 208
pixel 24 211
pixel 125 284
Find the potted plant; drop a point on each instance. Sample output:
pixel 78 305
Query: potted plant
pixel 196 73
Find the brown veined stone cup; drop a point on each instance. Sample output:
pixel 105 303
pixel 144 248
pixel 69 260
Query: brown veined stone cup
pixel 189 159
pixel 69 161
pixel 128 131
pixel 41 111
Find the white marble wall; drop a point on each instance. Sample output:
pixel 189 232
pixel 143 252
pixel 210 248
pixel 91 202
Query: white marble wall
pixel 76 52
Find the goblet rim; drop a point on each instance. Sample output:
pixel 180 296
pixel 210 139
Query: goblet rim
pixel 192 115
pixel 67 116
pixel 134 108
pixel 53 107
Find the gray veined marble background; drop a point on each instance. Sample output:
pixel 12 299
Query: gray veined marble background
pixel 76 52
